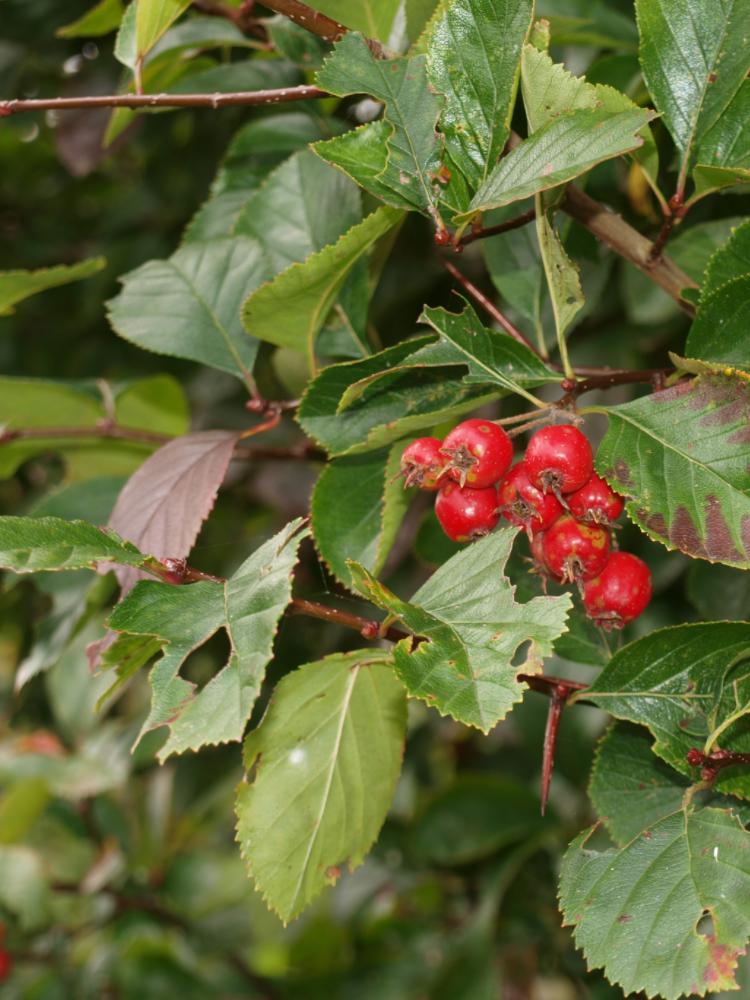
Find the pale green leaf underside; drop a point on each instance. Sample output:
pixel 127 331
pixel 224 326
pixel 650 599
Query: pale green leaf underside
pixel 636 911
pixel 473 629
pixel 690 492
pixel 152 18
pixel 326 756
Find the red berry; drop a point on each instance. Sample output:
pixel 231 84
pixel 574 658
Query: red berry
pixel 559 459
pixel 575 551
pixel 595 501
pixel 479 453
pixel 6 964
pixel 620 592
pixel 465 513
pixel 524 505
pixel 421 463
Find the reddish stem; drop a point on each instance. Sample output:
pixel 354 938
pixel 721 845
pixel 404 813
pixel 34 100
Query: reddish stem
pixel 715 761
pixel 502 227
pixel 560 694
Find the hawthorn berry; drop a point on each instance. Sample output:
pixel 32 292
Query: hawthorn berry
pixel 595 501
pixel 478 453
pixel 620 592
pixel 524 505
pixel 559 459
pixel 465 513
pixel 575 551
pixel 421 463
pixel 6 964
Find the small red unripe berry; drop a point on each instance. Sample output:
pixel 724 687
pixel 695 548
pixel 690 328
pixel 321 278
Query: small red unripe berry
pixel 466 513
pixel 575 551
pixel 695 757
pixel 595 501
pixel 620 592
pixel 478 452
pixel 559 459
pixel 523 504
pixel 421 463
pixel 6 964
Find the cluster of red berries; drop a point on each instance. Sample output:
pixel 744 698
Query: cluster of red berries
pixel 553 492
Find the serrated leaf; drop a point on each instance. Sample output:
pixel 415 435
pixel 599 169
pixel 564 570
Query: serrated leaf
pixel 152 18
pixel 290 310
pixel 692 61
pixel 301 207
pixel 472 629
pixel 636 911
pixel 407 177
pixel 164 503
pixel 705 511
pixel 731 260
pixel 563 277
pixel 248 606
pixel 493 357
pixel 723 157
pixel 15 286
pixel 384 397
pixel 686 684
pixel 33 544
pixel 473 52
pixel 326 755
pixel 364 527
pixel 721 329
pixel 559 151
pixel 102 18
pixel 188 305
pixel 631 788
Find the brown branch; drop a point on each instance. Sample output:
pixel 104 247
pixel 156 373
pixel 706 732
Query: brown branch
pixel 619 236
pixel 715 761
pixel 489 306
pixel 367 627
pixel 244 98
pixel 317 23
pixel 502 227
pixel 604 379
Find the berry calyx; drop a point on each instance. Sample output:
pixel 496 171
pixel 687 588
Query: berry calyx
pixel 620 593
pixel 478 453
pixel 524 505
pixel 575 551
pixel 422 463
pixel 559 460
pixel 465 513
pixel 6 964
pixel 595 502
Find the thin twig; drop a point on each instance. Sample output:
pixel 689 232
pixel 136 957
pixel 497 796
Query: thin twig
pixel 317 23
pixel 502 227
pixel 243 98
pixel 560 695
pixel 607 379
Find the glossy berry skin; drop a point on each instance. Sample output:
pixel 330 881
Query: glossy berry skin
pixel 596 502
pixel 575 551
pixel 620 593
pixel 478 453
pixel 421 463
pixel 465 513
pixel 559 459
pixel 6 964
pixel 524 505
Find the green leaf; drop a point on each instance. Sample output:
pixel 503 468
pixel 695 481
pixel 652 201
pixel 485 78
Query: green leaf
pixel 559 151
pixel 374 18
pixel 466 665
pixel 188 305
pixel 631 788
pixel 721 329
pixel 126 51
pixel 473 818
pixel 718 592
pixel 705 512
pixel 152 18
pixel 20 806
pixel 363 528
pixel 248 606
pixel 691 62
pixel 295 43
pixel 15 286
pixel 563 277
pixel 23 886
pixel 723 157
pixel 472 60
pixel 327 756
pixel 731 260
pixel 636 911
pixel 384 397
pixel 301 207
pixel 686 684
pixel 104 17
pixel 31 544
pixel 493 357
pixel 410 158
pixel 290 310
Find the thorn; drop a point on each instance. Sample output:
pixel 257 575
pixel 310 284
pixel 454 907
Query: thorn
pixel 556 705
